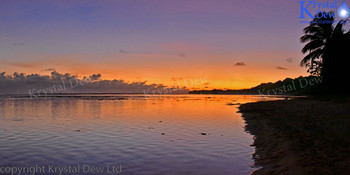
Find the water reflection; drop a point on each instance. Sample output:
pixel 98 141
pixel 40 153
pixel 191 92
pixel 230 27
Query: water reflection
pixel 159 135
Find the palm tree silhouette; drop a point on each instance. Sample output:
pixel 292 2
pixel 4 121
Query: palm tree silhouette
pixel 326 47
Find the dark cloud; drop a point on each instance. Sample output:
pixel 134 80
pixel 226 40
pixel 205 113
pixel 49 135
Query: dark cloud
pixel 18 44
pixel 68 83
pixel 240 64
pixel 95 77
pixel 289 60
pixel 281 68
pixel 123 51
pixel 182 55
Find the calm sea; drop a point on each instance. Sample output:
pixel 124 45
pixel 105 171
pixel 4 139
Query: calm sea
pixel 125 134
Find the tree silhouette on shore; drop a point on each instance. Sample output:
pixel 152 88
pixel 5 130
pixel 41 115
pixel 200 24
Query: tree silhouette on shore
pixel 327 47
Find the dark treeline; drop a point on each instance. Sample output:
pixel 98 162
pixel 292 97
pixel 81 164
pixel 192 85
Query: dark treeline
pixel 289 86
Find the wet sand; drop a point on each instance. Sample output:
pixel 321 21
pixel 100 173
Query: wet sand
pixel 300 136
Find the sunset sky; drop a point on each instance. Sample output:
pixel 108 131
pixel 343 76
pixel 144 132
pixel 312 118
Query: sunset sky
pixel 228 43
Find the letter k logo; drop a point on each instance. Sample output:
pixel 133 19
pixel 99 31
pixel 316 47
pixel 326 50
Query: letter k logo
pixel 304 9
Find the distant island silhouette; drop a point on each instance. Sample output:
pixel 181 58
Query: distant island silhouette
pixel 297 86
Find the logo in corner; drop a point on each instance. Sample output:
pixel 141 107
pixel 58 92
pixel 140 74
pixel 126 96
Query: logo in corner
pixel 325 10
pixel 343 11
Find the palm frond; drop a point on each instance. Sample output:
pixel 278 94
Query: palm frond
pixel 309 37
pixel 311 57
pixel 312 45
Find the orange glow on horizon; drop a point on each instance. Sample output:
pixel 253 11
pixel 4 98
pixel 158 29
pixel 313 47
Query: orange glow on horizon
pixel 200 72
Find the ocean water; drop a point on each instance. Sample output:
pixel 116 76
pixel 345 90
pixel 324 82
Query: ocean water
pixel 125 134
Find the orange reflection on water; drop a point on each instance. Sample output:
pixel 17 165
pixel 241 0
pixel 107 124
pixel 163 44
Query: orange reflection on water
pixel 192 130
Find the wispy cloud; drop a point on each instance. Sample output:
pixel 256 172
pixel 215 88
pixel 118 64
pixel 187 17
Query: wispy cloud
pixel 176 79
pixel 182 55
pixel 289 60
pixel 281 68
pixel 49 70
pixel 20 65
pixel 240 64
pixel 18 44
pixel 123 51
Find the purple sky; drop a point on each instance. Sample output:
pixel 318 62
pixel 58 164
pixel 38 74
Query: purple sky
pixel 138 39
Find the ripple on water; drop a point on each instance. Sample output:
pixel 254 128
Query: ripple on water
pixel 70 131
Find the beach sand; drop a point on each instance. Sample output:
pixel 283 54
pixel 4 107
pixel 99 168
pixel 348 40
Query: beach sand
pixel 300 136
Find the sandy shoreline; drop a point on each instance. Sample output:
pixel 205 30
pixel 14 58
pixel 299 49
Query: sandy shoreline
pixel 300 136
